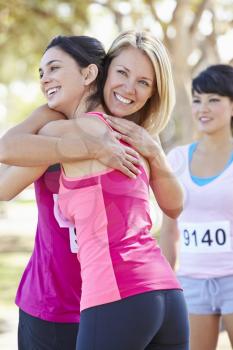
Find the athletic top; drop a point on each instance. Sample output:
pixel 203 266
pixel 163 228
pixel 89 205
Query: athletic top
pixel 201 181
pixel 118 256
pixel 50 287
pixel 206 223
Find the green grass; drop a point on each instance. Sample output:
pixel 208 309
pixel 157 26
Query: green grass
pixel 12 265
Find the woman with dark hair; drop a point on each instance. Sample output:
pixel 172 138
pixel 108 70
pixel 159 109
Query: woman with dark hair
pixel 49 292
pixel 130 297
pixel 205 227
pixel 125 279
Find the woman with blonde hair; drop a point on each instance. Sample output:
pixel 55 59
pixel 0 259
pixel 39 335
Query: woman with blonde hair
pixel 130 296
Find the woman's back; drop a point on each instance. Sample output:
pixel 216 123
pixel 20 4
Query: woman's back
pixel 117 253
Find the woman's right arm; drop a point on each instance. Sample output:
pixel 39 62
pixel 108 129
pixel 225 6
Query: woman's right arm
pixel 21 146
pixel 15 179
pixel 169 239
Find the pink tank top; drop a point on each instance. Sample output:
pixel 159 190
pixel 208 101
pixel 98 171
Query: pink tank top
pixel 50 287
pixel 117 254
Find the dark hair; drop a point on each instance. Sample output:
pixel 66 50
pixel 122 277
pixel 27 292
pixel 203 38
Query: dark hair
pixel 85 50
pixel 217 79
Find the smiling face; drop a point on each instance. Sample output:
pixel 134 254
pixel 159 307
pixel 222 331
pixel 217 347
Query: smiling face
pixel 212 112
pixel 129 83
pixel 62 81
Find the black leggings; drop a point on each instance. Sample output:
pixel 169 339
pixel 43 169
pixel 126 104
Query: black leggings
pixel 154 320
pixel 37 334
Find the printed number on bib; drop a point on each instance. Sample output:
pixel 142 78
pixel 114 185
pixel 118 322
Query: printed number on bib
pixel 204 237
pixel 62 222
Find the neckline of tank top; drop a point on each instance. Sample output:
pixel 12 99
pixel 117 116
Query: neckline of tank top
pixel 98 174
pixel 72 181
pixel 203 181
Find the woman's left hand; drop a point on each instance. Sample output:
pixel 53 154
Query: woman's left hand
pixel 136 136
pixel 166 188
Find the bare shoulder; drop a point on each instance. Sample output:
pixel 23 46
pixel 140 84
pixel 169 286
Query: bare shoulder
pixel 93 123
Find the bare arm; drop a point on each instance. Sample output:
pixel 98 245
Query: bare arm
pixel 15 179
pixel 164 184
pixel 96 141
pixel 21 146
pixel 166 188
pixel 169 238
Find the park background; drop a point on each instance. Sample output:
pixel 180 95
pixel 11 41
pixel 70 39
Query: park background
pixel 197 33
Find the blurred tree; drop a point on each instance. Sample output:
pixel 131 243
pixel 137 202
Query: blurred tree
pixel 26 26
pixel 190 30
pixel 191 37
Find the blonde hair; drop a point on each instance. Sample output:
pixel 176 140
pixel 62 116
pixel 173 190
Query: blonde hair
pixel 155 115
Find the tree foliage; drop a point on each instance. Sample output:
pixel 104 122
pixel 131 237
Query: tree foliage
pixel 27 26
pixel 190 32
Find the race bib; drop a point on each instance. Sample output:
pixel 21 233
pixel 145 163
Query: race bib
pixel 73 240
pixel 62 222
pixel 205 237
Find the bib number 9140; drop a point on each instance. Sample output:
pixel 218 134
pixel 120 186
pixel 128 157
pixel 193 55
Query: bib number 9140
pixel 205 237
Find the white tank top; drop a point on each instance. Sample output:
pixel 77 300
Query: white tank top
pixel 206 223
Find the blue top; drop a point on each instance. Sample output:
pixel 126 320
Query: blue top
pixel 201 181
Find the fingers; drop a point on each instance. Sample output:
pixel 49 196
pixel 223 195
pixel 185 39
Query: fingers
pixel 126 139
pixel 130 141
pixel 134 169
pixel 117 135
pixel 133 160
pixel 116 120
pixel 123 137
pixel 131 152
pixel 129 169
pixel 127 172
pixel 122 125
pixel 117 126
pixel 129 162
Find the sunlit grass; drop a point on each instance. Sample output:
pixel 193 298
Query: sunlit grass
pixel 12 265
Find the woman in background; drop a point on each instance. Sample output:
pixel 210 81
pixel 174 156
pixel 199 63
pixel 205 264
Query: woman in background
pixel 205 227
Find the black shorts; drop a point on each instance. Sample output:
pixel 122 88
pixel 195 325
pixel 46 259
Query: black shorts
pixel 37 334
pixel 150 321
